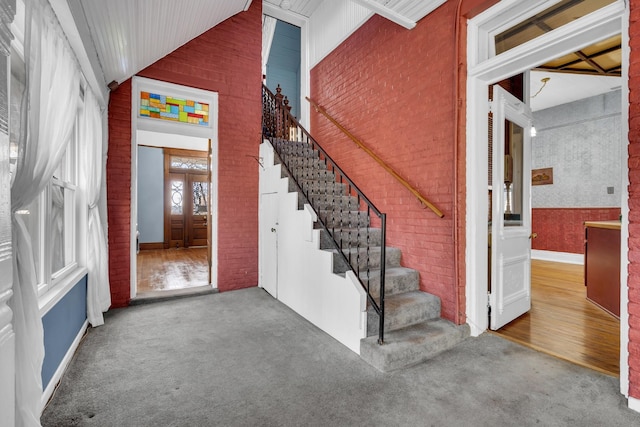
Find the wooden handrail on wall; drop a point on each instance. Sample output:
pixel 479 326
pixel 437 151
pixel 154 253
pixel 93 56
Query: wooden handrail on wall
pixel 381 162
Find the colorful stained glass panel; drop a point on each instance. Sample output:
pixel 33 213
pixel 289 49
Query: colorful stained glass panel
pixel 173 109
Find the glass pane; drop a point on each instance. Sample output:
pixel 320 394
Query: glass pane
pixel 31 218
pixel 57 228
pixel 549 19
pixel 171 108
pixel 177 197
pixel 200 191
pixel 197 163
pixel 513 174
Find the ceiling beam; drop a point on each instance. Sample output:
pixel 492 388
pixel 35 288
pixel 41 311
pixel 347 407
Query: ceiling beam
pixel 390 14
pixel 614 72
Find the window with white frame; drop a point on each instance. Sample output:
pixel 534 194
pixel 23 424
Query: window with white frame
pixel 51 219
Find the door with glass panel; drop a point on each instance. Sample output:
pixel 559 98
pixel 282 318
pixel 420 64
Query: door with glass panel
pixel 510 295
pixel 187 198
pixel 197 214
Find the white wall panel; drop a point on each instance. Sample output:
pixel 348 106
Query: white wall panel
pixel 305 280
pixel 332 23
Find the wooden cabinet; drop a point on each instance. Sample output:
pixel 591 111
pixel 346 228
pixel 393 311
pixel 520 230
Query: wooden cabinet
pixel 602 264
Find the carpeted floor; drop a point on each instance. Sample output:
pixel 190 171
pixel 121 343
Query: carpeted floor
pixel 242 358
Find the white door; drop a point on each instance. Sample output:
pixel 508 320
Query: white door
pixel 510 294
pixel 7 335
pixel 269 243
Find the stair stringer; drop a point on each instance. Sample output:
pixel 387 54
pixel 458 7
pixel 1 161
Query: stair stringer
pixel 306 283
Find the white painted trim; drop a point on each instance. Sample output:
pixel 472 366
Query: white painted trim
pixel 49 299
pixel 634 404
pixel 305 70
pixel 209 132
pixel 564 257
pixel 64 364
pixel 608 21
pixel 561 41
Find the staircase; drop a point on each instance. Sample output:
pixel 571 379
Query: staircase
pixel 413 329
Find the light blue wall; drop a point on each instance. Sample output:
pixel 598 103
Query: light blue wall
pixel 582 142
pixel 61 326
pixel 283 65
pixel 150 194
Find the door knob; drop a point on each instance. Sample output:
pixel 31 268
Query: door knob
pixel 533 235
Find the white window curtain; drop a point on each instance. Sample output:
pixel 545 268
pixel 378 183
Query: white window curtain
pixel 48 113
pixel 92 143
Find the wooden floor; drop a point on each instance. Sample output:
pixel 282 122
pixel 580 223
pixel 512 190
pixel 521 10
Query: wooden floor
pixel 171 269
pixel 563 323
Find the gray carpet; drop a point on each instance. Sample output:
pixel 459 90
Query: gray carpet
pixel 243 359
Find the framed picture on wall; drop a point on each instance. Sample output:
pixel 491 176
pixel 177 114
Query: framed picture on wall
pixel 542 176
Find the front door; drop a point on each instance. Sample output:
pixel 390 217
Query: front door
pixel 187 198
pixel 510 295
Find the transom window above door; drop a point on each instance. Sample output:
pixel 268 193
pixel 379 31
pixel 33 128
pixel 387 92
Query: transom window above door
pixel 547 20
pixel 194 163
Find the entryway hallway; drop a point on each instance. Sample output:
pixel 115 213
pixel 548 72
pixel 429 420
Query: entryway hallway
pixel 243 358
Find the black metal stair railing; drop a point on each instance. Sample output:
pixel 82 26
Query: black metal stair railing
pixel 343 210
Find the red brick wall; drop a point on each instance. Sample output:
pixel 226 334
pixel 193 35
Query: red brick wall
pixel 394 89
pixel 227 60
pixel 119 194
pixel 634 201
pixel 562 229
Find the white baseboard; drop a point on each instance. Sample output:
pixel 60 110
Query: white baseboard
pixel 64 363
pixel 565 257
pixel 634 404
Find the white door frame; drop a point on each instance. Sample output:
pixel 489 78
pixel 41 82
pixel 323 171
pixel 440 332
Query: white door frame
pixel 484 70
pixel 208 132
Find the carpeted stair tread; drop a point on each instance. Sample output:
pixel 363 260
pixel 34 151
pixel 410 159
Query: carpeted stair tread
pixel 396 281
pixel 405 309
pixel 372 261
pixel 412 345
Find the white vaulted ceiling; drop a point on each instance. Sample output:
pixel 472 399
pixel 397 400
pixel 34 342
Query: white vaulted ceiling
pixel 131 35
pixel 123 37
pixel 300 7
pixel 403 12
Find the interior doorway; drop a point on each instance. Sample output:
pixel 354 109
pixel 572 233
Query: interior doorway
pixel 578 136
pixel 486 67
pixel 173 213
pixel 174 189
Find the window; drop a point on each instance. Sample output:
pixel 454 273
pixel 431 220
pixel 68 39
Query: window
pixel 51 219
pixel 547 20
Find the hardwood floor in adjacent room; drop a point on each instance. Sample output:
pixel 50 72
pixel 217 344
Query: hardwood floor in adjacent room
pixel 563 323
pixel 171 269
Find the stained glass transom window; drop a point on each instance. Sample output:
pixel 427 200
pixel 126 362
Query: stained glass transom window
pixel 177 197
pixel 197 163
pixel 173 109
